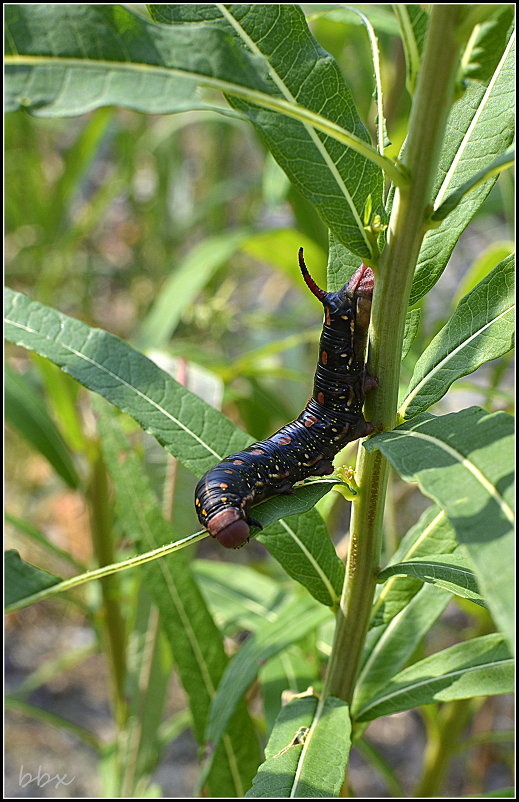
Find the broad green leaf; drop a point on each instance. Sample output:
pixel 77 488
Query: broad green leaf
pixel 23 579
pixel 480 127
pixel 183 285
pixel 299 72
pixel 262 57
pixel 24 409
pixel 293 621
pixel 464 461
pixel 195 641
pixel 307 752
pixel 449 571
pixel 342 264
pixel 302 545
pixel 186 426
pixel 479 667
pixel 63 60
pixel 481 329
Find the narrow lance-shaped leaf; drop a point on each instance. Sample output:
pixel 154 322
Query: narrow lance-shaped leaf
pixel 389 646
pixel 464 461
pixel 496 167
pixel 195 641
pixel 293 621
pixel 299 71
pixel 481 329
pixel 65 60
pixel 23 579
pixel 25 410
pixel 480 128
pixel 479 667
pixel 431 534
pixel 404 609
pixel 190 429
pixel 449 571
pixel 413 26
pixel 307 752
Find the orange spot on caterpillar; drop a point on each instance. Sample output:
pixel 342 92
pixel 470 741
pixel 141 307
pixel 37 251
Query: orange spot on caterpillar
pixel 257 451
pixel 284 440
pixel 223 486
pixel 320 398
pixel 324 357
pixel 310 420
pixel 238 462
pixel 327 317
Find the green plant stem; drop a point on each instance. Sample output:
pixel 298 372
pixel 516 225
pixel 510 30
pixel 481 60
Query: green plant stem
pixel 443 738
pixel 112 618
pixel 407 227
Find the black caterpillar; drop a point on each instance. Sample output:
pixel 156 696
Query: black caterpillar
pixel 306 446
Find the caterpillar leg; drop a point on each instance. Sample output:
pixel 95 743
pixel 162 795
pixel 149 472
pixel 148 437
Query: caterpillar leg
pixel 369 383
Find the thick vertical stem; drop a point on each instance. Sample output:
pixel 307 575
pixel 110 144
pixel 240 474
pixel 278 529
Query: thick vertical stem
pixel 407 227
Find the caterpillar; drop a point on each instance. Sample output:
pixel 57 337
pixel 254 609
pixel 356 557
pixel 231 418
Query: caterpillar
pixel 305 446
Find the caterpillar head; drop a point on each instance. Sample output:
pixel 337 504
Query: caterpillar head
pixel 229 528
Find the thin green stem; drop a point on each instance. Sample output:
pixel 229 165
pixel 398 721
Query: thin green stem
pixel 107 570
pixel 408 224
pixel 113 624
pixel 442 740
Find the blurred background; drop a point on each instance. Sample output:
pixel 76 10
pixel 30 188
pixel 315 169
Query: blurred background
pixel 180 234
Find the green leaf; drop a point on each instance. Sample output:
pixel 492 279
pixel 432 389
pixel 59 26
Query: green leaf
pixel 195 641
pixel 449 571
pixel 389 647
pixel 413 22
pixel 307 752
pixel 292 622
pixel 432 534
pixel 238 600
pixel 479 667
pixel 24 409
pixel 291 671
pixel 481 329
pixel 503 162
pixel 23 579
pixel 299 72
pixel 186 426
pixel 486 43
pixel 149 667
pixel 480 128
pixel 65 60
pixel 412 323
pixel 464 461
